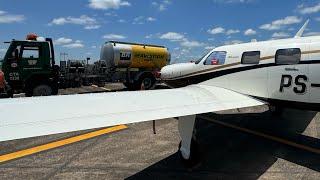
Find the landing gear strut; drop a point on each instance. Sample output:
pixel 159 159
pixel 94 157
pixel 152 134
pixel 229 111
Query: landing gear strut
pixel 188 147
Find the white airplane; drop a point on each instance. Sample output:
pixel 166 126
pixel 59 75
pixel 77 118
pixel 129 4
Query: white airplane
pixel 284 72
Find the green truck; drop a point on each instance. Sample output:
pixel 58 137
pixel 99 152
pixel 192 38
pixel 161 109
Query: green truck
pixel 29 67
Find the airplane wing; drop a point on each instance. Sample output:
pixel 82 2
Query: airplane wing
pixel 38 116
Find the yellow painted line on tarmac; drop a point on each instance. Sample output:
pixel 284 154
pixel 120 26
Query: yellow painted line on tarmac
pixel 56 144
pixel 266 136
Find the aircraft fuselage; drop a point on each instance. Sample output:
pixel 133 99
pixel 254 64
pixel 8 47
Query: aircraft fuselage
pixel 282 72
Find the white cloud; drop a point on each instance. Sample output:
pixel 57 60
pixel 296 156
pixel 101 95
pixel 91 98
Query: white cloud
pixel 209 47
pixel 84 20
pixel 138 20
pixel 309 10
pixel 122 21
pixel 183 55
pixel 278 24
pixel 3 50
pixel 250 32
pixel 113 14
pixel 92 27
pixel 93 47
pixel 233 1
pixel 69 43
pixel 62 40
pixel 191 44
pixel 76 44
pixel 114 36
pixel 178 37
pixel 10 18
pixel 232 31
pixel 151 19
pixel 233 42
pixel 59 21
pixel 217 30
pixel 312 34
pixel 149 36
pixel 107 4
pixel 142 20
pixel 291 29
pixel 162 6
pixel 172 36
pixel 278 35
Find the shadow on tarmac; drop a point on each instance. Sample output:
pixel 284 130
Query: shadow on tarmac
pixel 229 153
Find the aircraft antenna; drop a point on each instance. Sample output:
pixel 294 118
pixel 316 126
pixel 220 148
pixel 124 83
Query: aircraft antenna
pixel 300 32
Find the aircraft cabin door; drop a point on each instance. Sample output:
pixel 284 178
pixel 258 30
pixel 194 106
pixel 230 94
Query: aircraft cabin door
pixel 288 80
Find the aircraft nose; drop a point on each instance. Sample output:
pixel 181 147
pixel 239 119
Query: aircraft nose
pixel 166 72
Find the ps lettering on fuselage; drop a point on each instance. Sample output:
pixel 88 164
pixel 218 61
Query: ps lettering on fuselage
pixel 298 83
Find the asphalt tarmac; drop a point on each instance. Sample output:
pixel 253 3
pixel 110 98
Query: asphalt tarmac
pixel 137 153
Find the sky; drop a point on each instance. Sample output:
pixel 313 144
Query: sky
pixel 189 28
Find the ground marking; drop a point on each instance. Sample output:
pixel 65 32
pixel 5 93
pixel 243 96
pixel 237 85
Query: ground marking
pixel 56 144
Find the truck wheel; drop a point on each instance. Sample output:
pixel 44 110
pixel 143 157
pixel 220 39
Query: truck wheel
pixel 10 93
pixel 42 90
pixel 55 90
pixel 147 81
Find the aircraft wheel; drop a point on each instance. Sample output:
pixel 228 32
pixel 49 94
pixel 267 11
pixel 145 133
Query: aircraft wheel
pixel 194 158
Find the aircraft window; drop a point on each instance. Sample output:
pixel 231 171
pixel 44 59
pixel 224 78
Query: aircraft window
pixel 288 56
pixel 216 58
pixel 250 57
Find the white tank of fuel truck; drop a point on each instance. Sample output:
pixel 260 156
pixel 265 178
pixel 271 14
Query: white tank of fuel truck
pixel 134 64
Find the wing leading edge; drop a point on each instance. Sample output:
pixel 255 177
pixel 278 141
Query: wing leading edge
pixel 38 116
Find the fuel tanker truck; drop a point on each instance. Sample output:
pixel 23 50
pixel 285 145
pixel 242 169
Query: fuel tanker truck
pixel 133 64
